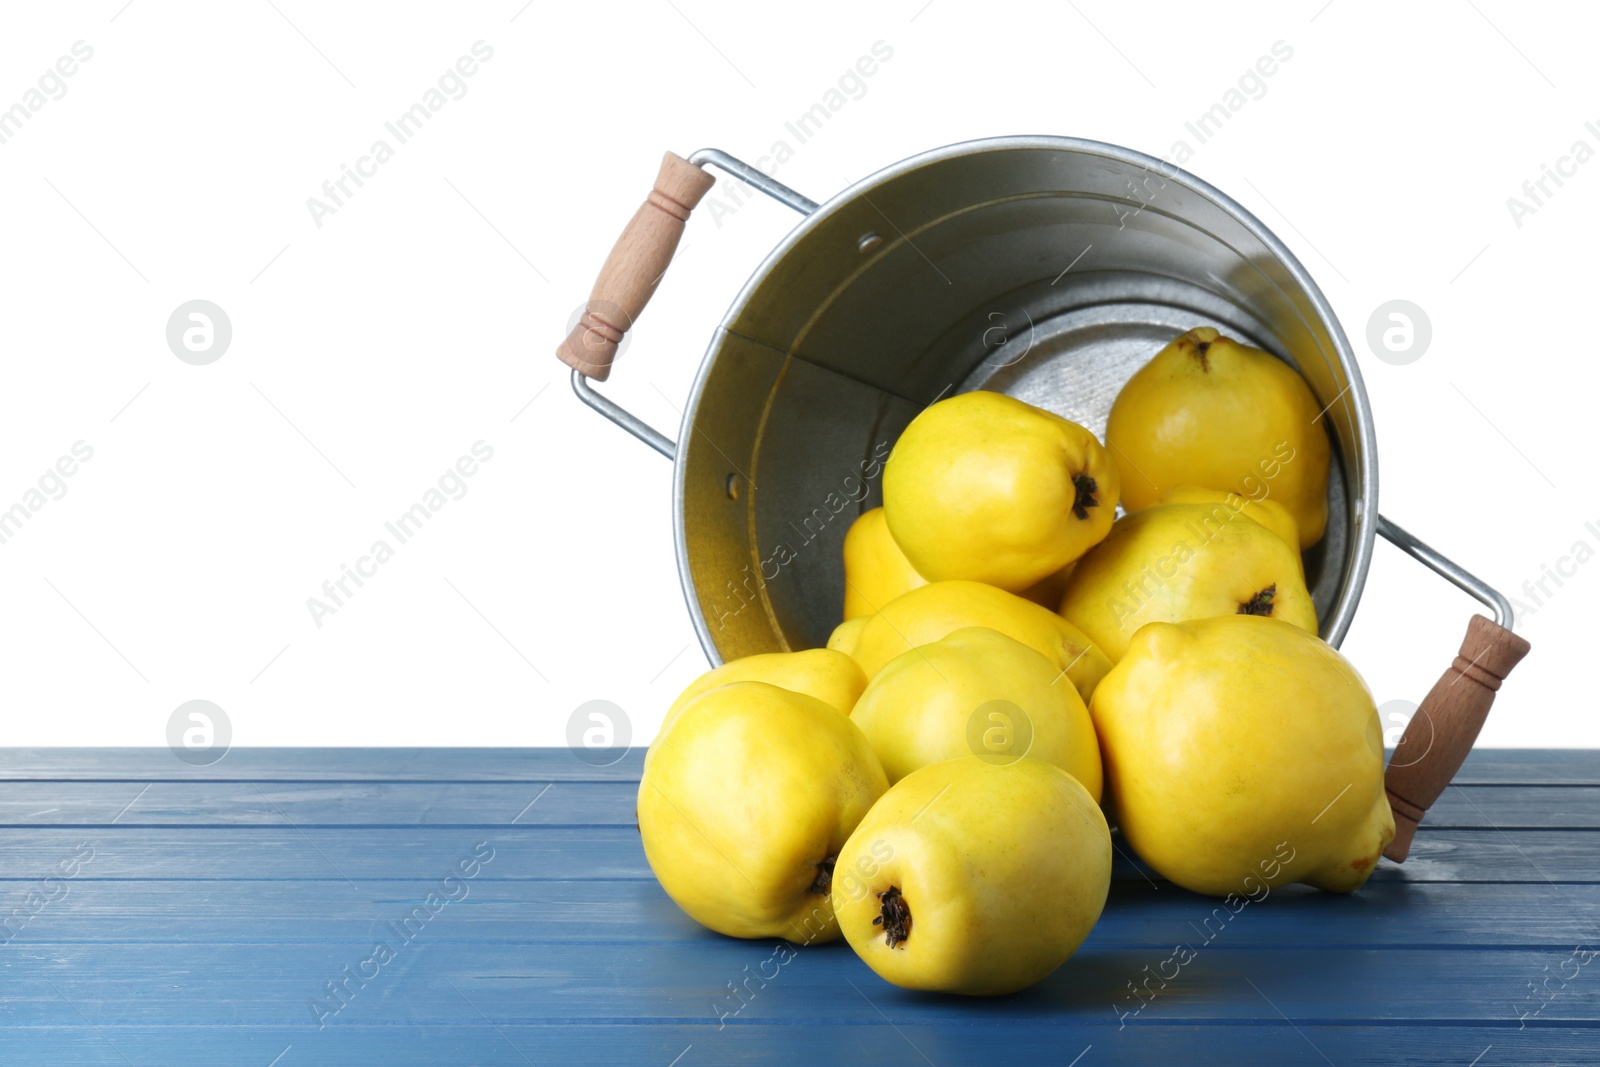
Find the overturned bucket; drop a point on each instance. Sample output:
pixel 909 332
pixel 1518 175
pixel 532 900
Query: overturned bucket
pixel 1048 268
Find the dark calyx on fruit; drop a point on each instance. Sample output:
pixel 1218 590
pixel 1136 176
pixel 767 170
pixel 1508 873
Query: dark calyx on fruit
pixel 822 885
pixel 1261 603
pixel 1084 500
pixel 895 918
pixel 1200 350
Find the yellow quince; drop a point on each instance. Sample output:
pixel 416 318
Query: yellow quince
pixel 831 676
pixel 876 571
pixel 1173 562
pixel 1264 512
pixel 847 635
pixel 977 692
pixel 987 488
pixel 975 878
pixel 1242 754
pixel 745 803
pixel 1210 411
pixel 933 611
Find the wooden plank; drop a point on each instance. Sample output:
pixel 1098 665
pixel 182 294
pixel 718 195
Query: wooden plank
pixel 558 802
pixel 1520 807
pixel 1483 766
pixel 1464 855
pixel 485 1043
pixel 306 804
pixel 1531 766
pixel 340 855
pixel 294 985
pixel 564 852
pixel 500 912
pixel 324 764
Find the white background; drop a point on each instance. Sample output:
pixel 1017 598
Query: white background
pixel 368 354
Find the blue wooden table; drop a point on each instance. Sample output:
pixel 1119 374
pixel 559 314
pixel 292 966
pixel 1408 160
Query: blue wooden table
pixel 405 906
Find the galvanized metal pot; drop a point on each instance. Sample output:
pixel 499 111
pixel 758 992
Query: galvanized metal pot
pixel 1049 268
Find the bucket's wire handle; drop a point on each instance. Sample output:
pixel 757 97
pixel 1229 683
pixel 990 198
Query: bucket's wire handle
pixel 1441 733
pixel 635 267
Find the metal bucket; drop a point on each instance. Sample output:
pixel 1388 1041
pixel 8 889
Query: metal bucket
pixel 1049 268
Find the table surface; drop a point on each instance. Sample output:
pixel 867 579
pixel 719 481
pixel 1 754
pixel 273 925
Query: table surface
pixel 286 907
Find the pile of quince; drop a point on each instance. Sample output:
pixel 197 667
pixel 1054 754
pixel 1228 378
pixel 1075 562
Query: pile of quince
pixel 1012 656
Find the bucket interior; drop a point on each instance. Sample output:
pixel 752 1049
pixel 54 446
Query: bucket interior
pixel 1046 269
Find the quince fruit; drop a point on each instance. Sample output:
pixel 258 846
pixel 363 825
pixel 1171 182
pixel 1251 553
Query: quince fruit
pixel 976 878
pixel 977 692
pixel 933 611
pixel 1173 562
pixel 986 488
pixel 1047 593
pixel 847 635
pixel 1243 754
pixel 1210 411
pixel 876 571
pixel 827 674
pixel 1264 512
pixel 745 803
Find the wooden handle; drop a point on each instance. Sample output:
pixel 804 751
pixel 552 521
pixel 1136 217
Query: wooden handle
pixel 635 266
pixel 1441 733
